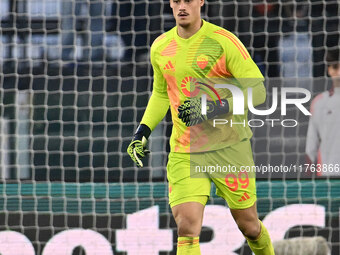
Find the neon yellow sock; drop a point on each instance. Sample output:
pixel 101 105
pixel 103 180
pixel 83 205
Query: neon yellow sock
pixel 188 246
pixel 262 245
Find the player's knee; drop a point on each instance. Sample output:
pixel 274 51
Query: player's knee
pixel 188 226
pixel 250 229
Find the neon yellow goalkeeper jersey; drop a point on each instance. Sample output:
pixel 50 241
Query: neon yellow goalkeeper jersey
pixel 179 64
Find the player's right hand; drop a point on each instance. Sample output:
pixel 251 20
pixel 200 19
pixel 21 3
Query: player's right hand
pixel 137 151
pixel 137 148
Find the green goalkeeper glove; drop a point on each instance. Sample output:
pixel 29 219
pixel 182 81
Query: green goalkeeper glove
pixel 137 148
pixel 191 111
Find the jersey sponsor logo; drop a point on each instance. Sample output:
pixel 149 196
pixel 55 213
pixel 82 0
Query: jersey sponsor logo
pixel 202 61
pixel 169 66
pixel 191 87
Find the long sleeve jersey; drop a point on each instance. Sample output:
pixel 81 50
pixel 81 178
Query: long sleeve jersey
pixel 180 65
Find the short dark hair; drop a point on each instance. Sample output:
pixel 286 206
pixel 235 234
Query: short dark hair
pixel 333 56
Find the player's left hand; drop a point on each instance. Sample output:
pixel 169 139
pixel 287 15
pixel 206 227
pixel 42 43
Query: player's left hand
pixel 190 112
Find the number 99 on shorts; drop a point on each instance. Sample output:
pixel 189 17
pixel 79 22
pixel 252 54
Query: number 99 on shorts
pixel 234 182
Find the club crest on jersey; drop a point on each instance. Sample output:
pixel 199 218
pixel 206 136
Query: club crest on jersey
pixel 202 61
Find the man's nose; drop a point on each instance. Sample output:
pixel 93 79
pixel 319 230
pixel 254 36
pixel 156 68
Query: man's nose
pixel 182 6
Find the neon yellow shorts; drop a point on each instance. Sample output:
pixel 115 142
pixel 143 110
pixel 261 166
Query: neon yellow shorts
pixel 190 176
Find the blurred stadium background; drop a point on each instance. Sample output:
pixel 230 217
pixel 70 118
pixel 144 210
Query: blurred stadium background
pixel 75 79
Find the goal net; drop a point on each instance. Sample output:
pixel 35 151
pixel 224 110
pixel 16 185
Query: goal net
pixel 75 79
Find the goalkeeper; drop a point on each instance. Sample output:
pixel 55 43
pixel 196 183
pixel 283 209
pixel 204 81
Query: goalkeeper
pixel 185 61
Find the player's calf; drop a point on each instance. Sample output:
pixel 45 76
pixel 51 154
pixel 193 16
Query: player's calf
pixel 262 245
pixel 254 231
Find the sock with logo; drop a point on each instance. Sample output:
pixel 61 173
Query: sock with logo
pixel 262 245
pixel 188 246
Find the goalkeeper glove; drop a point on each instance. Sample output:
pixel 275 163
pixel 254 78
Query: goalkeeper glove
pixel 137 148
pixel 191 111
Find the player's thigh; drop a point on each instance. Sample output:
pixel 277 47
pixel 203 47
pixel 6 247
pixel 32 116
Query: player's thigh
pixel 236 186
pixel 189 218
pixel 182 186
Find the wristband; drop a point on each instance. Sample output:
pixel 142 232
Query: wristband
pixel 142 131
